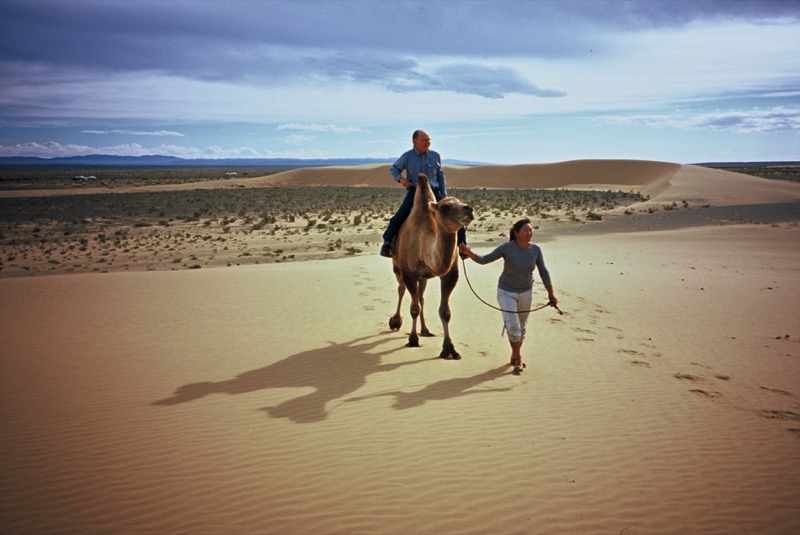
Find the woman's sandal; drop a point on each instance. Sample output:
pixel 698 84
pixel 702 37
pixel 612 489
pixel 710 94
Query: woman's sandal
pixel 518 366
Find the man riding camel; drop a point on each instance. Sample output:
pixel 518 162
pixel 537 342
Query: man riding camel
pixel 418 160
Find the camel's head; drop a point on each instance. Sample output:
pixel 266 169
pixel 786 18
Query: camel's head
pixel 451 214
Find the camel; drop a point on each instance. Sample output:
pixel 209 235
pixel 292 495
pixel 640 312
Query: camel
pixel 425 248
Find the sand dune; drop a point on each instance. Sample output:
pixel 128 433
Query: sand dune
pixel 648 177
pixel 662 181
pixel 723 188
pixel 556 175
pixel 272 399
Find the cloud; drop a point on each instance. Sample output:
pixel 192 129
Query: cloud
pixel 358 40
pixel 406 75
pixel 157 133
pixel 232 38
pixel 297 139
pixel 309 69
pixel 247 55
pixel 53 149
pixel 756 120
pixel 778 119
pixel 318 128
pixel 488 82
pixel 45 150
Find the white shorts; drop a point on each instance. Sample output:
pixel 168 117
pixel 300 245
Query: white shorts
pixel 514 323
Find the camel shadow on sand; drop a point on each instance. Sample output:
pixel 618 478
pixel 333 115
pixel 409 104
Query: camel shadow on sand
pixel 332 372
pixel 443 390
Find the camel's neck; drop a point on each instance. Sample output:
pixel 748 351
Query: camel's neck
pixel 443 253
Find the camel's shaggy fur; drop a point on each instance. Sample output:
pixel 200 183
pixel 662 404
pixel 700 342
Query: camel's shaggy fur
pixel 425 248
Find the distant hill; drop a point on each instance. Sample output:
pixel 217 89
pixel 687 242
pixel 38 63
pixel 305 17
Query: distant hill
pixel 171 161
pixel 725 165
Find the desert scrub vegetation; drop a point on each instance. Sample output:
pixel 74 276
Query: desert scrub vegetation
pixel 234 226
pixel 543 202
pixel 790 173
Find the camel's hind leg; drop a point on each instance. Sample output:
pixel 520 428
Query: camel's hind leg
pixel 396 321
pixel 448 285
pixel 413 289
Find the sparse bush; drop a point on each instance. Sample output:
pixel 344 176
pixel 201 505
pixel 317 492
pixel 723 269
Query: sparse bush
pixel 594 216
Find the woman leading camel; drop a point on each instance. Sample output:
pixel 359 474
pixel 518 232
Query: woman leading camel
pixel 515 286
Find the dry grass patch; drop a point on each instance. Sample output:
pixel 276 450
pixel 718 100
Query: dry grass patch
pixel 226 227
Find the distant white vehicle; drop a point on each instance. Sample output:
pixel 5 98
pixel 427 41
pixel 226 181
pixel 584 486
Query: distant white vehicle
pixel 231 174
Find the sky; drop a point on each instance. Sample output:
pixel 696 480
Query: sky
pixel 502 82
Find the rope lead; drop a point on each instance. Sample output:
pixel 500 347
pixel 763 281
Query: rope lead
pixel 548 304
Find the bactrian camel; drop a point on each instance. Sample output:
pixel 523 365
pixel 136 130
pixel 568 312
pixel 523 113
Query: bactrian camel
pixel 426 248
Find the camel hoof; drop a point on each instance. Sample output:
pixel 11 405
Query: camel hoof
pixel 452 354
pixel 426 333
pixel 449 352
pixel 395 322
pixel 413 341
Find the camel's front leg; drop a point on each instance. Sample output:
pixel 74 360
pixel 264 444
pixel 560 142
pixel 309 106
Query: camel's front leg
pixel 448 285
pixel 423 328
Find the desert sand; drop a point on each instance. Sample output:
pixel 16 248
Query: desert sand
pixel 273 399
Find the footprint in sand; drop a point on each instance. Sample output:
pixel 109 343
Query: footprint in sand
pixel 776 391
pixel 712 395
pixel 720 376
pixel 780 415
pixel 688 377
pixel 708 394
pixel 620 336
pixel 641 363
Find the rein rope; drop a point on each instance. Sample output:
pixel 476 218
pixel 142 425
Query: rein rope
pixel 548 304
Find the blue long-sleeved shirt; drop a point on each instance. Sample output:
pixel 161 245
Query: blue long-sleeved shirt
pixel 518 265
pixel 414 162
